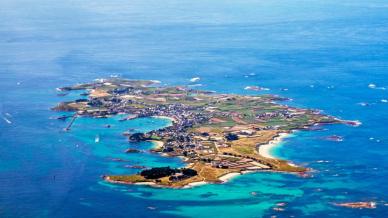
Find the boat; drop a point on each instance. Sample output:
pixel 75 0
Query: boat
pixel 194 79
pixel 97 139
pixel 6 120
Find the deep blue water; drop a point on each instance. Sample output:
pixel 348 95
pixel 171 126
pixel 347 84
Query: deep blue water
pixel 325 53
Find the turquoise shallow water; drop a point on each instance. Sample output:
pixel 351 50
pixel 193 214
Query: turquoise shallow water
pixel 325 53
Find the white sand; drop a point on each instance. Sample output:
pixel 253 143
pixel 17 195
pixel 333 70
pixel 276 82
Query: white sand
pixel 157 144
pixel 265 150
pixel 224 178
pixel 228 176
pixel 193 184
pixel 145 183
pixel 165 117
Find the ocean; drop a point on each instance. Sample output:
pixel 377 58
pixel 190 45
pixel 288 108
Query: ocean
pixel 329 55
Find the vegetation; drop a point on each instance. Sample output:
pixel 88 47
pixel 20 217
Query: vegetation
pixel 157 173
pixel 231 137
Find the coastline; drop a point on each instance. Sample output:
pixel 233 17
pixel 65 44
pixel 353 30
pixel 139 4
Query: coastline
pixel 173 120
pixel 223 179
pixel 228 177
pixel 108 179
pixel 157 144
pixel 265 149
pixel 194 184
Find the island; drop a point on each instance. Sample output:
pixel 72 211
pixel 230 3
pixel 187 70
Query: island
pixel 217 135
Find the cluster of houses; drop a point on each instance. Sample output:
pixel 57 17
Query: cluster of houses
pixel 204 146
pixel 283 114
pixel 245 163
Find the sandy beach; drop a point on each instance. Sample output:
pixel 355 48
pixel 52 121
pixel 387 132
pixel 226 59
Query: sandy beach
pixel 229 176
pixel 265 150
pixel 165 117
pixel 224 178
pixel 157 144
pixel 194 184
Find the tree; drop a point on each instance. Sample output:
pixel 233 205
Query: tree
pixel 189 172
pixel 231 137
pixel 137 137
pixel 158 172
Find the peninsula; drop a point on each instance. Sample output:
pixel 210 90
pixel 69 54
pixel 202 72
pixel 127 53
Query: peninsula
pixel 216 134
